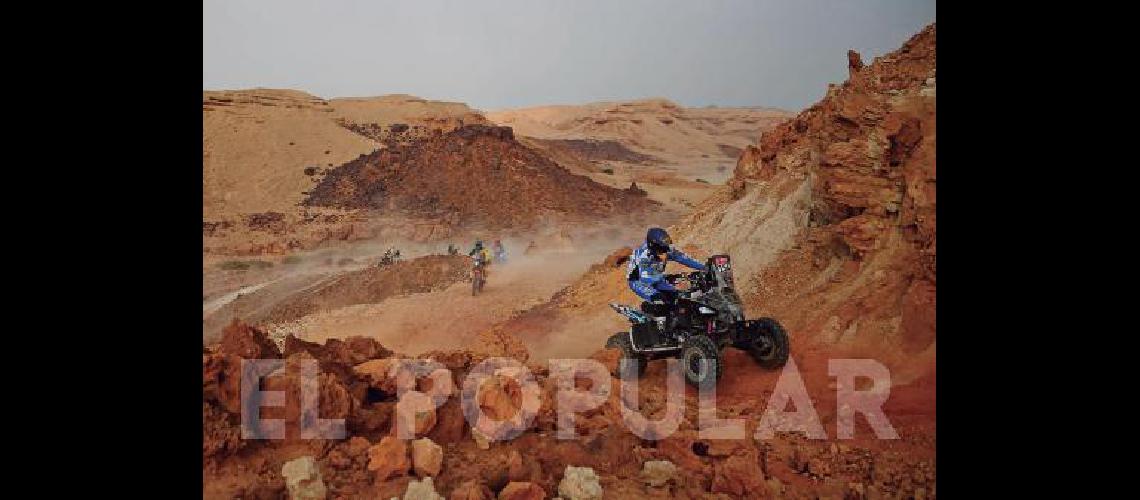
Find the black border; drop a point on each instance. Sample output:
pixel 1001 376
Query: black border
pixel 129 79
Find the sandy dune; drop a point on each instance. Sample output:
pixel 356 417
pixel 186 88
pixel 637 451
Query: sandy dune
pixel 256 144
pixel 657 127
pixel 673 152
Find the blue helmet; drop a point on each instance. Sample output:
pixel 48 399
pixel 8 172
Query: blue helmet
pixel 658 240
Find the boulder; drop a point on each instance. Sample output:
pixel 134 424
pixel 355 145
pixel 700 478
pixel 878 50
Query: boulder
pixel 658 472
pixel 388 458
pixel 416 412
pixel 303 479
pixel 422 490
pixel 427 457
pixel 379 374
pixel 739 475
pixel 580 483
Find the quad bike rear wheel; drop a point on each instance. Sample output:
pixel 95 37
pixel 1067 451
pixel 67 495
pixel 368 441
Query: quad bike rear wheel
pixel 767 343
pixel 620 340
pixel 700 359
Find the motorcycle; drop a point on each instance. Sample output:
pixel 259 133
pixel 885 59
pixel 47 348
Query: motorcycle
pixel 478 276
pixel 706 317
pixel 390 257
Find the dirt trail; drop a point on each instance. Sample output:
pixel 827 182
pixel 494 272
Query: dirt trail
pixel 449 318
pixel 337 292
pixel 255 301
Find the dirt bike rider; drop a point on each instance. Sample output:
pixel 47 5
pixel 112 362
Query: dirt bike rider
pixel 481 255
pixel 391 255
pixel 499 251
pixel 647 270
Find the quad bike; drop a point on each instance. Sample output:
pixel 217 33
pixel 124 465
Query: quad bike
pixel 478 276
pixel 707 317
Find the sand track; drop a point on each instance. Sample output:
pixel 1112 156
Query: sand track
pixel 449 318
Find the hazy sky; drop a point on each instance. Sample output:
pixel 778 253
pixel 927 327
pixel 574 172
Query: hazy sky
pixel 493 54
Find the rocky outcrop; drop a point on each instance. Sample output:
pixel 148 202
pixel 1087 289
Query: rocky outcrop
pixel 849 186
pixel 221 366
pixel 854 62
pixel 437 175
pixel 245 341
pixel 294 379
pixel 862 142
pixel 749 166
pixel 533 465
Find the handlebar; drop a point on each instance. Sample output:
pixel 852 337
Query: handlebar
pixel 693 277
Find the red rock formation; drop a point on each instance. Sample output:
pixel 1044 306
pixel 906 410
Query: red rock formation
pixel 438 175
pixel 869 147
pixel 334 400
pixel 242 340
pixel 854 62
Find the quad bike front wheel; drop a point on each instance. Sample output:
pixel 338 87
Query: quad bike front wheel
pixel 620 340
pixel 700 359
pixel 767 343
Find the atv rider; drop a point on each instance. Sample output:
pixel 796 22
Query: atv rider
pixel 647 270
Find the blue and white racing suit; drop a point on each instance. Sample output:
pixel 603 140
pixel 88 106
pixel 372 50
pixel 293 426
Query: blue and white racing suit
pixel 647 272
